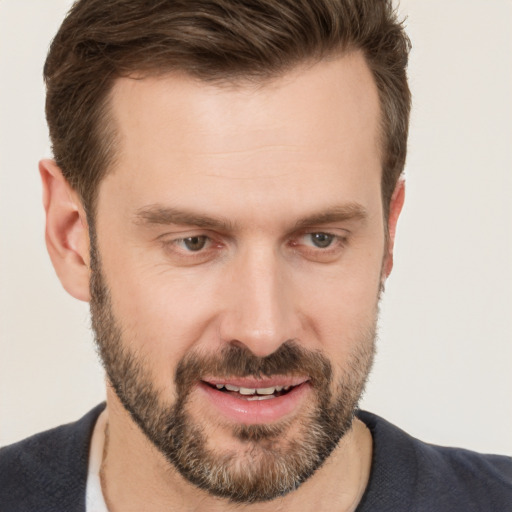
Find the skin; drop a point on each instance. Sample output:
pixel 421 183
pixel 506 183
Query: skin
pixel 262 159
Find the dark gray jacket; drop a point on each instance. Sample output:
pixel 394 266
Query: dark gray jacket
pixel 47 473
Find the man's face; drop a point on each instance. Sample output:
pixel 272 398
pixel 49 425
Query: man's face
pixel 238 263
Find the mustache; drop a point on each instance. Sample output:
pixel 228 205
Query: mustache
pixel 238 361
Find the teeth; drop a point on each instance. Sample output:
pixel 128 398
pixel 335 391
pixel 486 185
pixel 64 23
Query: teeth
pixel 247 391
pixel 252 391
pixel 266 391
pixel 256 397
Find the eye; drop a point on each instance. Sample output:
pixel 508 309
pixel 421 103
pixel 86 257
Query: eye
pixel 194 243
pixel 192 247
pixel 320 246
pixel 321 240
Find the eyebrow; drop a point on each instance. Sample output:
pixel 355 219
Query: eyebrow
pixel 158 214
pixel 339 213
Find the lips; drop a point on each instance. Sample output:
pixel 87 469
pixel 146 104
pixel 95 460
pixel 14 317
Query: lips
pixel 255 401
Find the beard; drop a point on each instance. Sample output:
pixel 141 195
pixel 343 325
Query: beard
pixel 266 461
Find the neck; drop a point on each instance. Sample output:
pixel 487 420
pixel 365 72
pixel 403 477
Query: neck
pixel 136 476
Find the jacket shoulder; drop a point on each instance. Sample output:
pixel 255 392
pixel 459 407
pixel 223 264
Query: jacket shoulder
pixel 484 481
pixel 408 474
pixel 47 472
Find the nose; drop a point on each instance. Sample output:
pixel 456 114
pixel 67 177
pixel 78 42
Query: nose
pixel 259 298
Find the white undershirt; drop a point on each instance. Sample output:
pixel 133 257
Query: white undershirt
pixel 94 500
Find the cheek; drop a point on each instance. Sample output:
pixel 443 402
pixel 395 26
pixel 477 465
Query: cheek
pixel 340 312
pixel 163 308
pixel 162 314
pixel 342 306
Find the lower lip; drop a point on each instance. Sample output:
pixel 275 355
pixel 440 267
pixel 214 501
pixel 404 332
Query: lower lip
pixel 253 412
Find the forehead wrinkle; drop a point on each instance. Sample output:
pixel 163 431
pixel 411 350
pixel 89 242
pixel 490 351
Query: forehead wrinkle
pixel 250 151
pixel 253 177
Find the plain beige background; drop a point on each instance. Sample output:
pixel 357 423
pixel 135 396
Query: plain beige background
pixel 443 370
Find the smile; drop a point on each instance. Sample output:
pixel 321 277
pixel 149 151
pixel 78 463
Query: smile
pixel 254 393
pixel 256 401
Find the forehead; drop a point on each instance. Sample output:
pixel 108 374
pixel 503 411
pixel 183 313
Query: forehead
pixel 326 93
pixel 314 122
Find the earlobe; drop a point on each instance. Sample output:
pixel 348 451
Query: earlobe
pixel 395 207
pixel 67 234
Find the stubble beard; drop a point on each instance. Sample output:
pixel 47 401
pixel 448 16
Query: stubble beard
pixel 274 459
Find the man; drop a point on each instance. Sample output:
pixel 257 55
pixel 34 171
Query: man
pixel 225 193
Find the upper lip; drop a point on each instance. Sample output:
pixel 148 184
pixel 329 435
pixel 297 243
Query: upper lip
pixel 257 383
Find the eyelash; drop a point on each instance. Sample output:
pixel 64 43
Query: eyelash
pixel 317 254
pixel 211 244
pixel 173 246
pixel 336 240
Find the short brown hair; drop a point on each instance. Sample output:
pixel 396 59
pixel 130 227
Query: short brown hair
pixel 213 40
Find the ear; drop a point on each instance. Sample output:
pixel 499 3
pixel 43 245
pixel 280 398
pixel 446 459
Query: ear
pixel 395 207
pixel 67 233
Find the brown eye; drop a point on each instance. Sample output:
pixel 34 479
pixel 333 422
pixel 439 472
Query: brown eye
pixel 321 240
pixel 195 243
